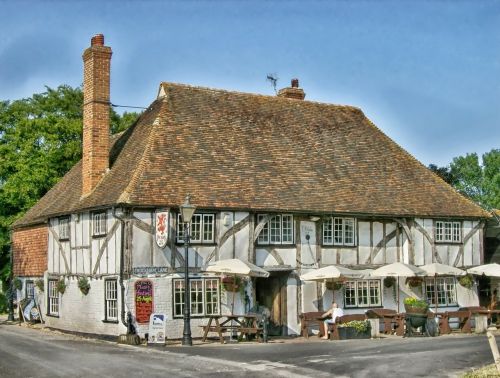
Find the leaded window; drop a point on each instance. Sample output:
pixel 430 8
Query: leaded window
pixel 111 300
pixel 448 232
pixel 362 293
pixel 99 223
pixel 202 229
pixel 53 296
pixel 446 291
pixel 64 228
pixel 339 231
pixel 277 230
pixel 204 296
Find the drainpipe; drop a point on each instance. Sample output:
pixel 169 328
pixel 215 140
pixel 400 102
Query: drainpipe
pixel 122 286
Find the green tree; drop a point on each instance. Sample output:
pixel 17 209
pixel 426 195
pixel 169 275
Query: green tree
pixel 478 181
pixel 40 140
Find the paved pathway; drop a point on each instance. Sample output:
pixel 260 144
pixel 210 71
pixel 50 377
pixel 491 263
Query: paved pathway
pixel 26 352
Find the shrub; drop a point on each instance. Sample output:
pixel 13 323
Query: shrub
pixel 415 302
pixel 414 281
pixel 18 284
pixel 4 303
pixel 389 282
pixel 359 325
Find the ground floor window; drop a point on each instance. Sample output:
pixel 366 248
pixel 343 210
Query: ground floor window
pixel 362 293
pixel 111 300
pixel 204 296
pixel 30 289
pixel 53 307
pixel 446 291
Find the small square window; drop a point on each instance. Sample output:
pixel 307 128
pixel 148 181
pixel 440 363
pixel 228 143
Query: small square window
pixel 64 228
pixel 99 224
pixel 278 229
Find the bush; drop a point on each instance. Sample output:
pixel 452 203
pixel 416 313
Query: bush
pixel 359 325
pixel 4 303
pixel 40 284
pixel 18 284
pixel 389 282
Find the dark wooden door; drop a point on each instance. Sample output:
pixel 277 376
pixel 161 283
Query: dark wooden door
pixel 271 293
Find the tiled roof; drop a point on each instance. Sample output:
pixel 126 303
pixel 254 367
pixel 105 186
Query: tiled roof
pixel 245 151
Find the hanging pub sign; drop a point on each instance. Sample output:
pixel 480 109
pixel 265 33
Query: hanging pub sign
pixel 143 300
pixel 161 228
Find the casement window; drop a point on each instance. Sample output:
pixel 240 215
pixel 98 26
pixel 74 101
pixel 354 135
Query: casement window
pixel 202 229
pixel 277 230
pixel 111 300
pixel 64 229
pixel 30 289
pixel 448 232
pixel 446 291
pixel 339 231
pixel 99 223
pixel 204 296
pixel 53 298
pixel 362 293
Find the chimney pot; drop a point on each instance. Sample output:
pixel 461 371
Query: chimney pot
pixel 292 92
pixel 295 83
pixel 97 40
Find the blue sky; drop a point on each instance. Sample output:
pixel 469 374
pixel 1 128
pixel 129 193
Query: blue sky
pixel 425 72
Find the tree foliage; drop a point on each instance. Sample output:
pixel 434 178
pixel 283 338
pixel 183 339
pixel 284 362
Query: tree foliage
pixel 478 181
pixel 40 140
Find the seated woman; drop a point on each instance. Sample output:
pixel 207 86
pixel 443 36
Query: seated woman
pixel 331 315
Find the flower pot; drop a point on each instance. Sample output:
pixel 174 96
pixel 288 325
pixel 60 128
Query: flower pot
pixel 346 333
pixel 415 310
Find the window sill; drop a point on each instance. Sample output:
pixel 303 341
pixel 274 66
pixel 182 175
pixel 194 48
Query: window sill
pixel 338 246
pixel 99 236
pixel 283 245
pixel 52 316
pixel 448 242
pixel 110 321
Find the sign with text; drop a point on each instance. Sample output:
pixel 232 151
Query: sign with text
pixel 143 300
pixel 157 329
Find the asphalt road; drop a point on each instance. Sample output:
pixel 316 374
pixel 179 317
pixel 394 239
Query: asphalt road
pixel 26 352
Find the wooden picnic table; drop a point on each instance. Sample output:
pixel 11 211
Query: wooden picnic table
pixel 245 325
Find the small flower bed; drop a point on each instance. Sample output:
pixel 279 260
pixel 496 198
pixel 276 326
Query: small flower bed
pixel 359 325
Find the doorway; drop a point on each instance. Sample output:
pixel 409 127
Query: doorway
pixel 271 293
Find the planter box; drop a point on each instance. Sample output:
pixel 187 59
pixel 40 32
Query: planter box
pixel 346 333
pixel 415 310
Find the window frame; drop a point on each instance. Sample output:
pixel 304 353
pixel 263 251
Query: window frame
pixel 443 283
pixel 330 229
pixel 273 231
pixel 29 288
pixel 195 313
pixel 453 236
pixel 108 301
pixel 53 301
pixel 197 227
pixel 99 226
pixel 67 234
pixel 368 302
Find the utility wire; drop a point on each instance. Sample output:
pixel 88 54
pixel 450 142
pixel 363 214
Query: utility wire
pixel 127 106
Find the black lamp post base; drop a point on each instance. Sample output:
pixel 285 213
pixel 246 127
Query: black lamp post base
pixel 187 341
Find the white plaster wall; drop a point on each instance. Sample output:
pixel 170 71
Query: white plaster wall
pixel 83 313
pixel 364 242
pixel 292 310
pixel 378 235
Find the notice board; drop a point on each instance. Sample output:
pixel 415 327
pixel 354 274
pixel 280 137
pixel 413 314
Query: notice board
pixel 143 300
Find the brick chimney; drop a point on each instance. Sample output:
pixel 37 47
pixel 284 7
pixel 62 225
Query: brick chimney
pixel 96 73
pixel 293 92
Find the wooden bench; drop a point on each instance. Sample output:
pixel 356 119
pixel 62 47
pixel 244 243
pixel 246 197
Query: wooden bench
pixel 391 320
pixel 463 318
pixel 247 331
pixel 333 329
pixel 308 319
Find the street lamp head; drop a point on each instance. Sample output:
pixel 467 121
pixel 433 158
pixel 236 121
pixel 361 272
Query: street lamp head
pixel 187 210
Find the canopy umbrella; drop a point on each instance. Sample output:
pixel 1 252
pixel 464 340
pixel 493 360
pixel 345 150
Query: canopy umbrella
pixel 235 268
pixel 490 270
pixel 398 269
pixel 332 273
pixel 437 269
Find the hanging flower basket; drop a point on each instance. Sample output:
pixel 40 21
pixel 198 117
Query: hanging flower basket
pixel 466 281
pixel 414 281
pixel 18 284
pixel 335 285
pixel 415 306
pixel 231 283
pixel 39 284
pixel 61 286
pixel 389 282
pixel 84 285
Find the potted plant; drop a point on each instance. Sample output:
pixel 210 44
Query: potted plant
pixel 415 305
pixel 84 285
pixel 61 286
pixel 355 329
pixel 466 281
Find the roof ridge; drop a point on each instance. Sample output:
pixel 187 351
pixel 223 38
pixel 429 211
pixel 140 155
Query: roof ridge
pixel 277 98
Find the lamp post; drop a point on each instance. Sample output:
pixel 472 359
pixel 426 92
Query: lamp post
pixel 187 211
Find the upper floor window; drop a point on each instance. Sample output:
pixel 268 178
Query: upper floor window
pixel 64 228
pixel 99 223
pixel 277 230
pixel 339 231
pixel 204 296
pixel 202 229
pixel 362 293
pixel 446 291
pixel 448 232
